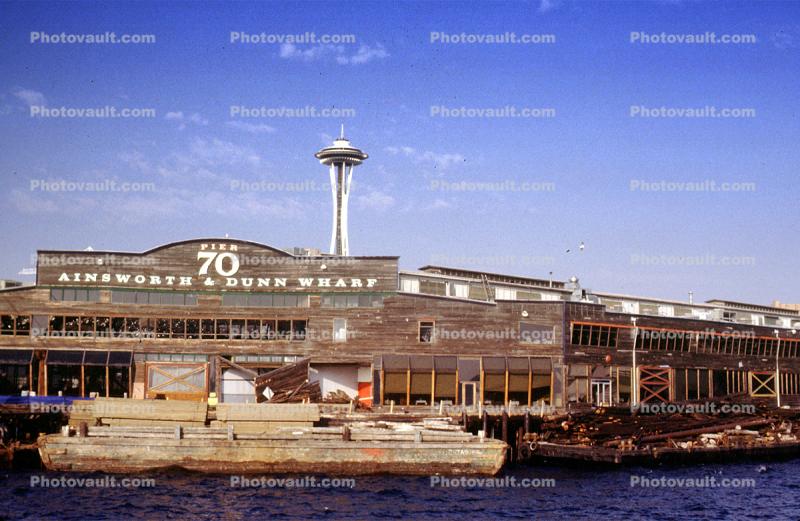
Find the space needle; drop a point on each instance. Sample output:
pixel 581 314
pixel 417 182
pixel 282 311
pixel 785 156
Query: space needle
pixel 342 158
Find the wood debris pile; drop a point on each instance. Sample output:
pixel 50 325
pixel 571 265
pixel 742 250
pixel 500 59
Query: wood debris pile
pixel 618 427
pixel 288 384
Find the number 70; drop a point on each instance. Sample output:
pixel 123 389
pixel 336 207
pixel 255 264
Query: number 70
pixel 218 259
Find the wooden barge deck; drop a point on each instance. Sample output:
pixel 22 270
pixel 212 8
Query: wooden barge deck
pixel 113 435
pixel 368 451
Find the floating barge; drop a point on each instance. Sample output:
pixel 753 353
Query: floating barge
pixel 369 451
pixel 123 436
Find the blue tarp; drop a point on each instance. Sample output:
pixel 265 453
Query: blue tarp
pixel 45 400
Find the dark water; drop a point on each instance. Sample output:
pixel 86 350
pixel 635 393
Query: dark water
pixel 577 494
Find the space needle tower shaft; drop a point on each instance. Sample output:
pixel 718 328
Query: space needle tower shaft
pixel 342 158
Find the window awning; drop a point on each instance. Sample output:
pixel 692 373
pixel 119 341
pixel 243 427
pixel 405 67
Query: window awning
pixel 120 358
pixel 16 356
pixel 97 358
pixel 64 357
pixel 518 365
pixel 540 365
pixel 421 363
pixel 494 364
pixel 395 362
pixel 446 364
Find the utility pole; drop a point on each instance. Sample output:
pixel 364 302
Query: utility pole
pixel 634 372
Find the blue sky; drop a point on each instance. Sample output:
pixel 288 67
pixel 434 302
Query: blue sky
pixel 193 149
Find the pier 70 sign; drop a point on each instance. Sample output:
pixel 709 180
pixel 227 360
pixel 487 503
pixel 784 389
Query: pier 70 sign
pixel 217 265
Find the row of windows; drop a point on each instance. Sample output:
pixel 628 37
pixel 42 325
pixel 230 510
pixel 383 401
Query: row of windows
pixel 736 345
pixel 169 357
pixel 666 340
pixel 595 336
pixel 716 344
pixel 658 340
pixel 191 328
pixel 352 301
pixel 159 298
pixel 11 325
pixel 265 300
pixel 74 295
pixel 175 298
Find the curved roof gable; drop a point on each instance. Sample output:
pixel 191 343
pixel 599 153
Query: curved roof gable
pixel 208 240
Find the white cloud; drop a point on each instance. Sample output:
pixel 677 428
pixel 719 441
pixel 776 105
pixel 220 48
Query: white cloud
pixel 137 161
pixel 439 204
pixel 364 54
pixel 784 40
pixel 441 161
pixel 291 51
pixel 376 200
pixel 203 160
pixel 193 118
pixel 252 128
pixel 545 6
pixel 337 53
pixel 216 152
pixel 33 204
pixel 195 180
pixel 30 97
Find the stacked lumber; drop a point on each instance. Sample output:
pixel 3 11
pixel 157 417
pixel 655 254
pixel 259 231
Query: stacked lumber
pixel 122 412
pixel 265 417
pixel 358 432
pixel 288 384
pixel 338 396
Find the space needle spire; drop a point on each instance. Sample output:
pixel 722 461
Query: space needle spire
pixel 342 158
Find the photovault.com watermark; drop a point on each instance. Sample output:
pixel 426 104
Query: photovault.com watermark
pixel 105 112
pixel 504 482
pixel 533 336
pixel 308 111
pixel 706 185
pixel 492 260
pixel 707 111
pixel 48 481
pixel 98 408
pixel 290 482
pixel 106 259
pixel 711 408
pixel 700 482
pixel 243 185
pixel 507 111
pixel 108 37
pixel 508 185
pixel 294 39
pixel 708 259
pixel 440 37
pixel 107 185
pixel 706 38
